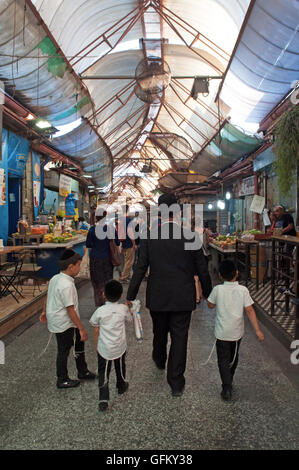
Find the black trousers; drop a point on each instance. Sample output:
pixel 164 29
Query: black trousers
pixel 65 341
pixel 104 369
pixel 227 351
pixel 177 325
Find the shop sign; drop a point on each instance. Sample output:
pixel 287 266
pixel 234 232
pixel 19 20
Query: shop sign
pixel 246 187
pixel 65 185
pixel 258 204
pixel 36 176
pixel 2 187
pixel 36 193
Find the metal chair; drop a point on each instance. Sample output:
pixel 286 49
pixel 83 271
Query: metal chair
pixel 9 278
pixel 29 270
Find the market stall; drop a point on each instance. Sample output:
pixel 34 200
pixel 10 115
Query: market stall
pixel 223 246
pixel 49 252
pixel 48 242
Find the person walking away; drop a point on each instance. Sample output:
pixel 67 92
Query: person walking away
pixel 230 299
pixel 62 317
pixel 101 268
pixel 170 293
pixel 108 322
pixel 128 248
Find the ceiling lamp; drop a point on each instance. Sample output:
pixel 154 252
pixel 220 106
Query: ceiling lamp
pixel 29 117
pixel 228 195
pixel 210 206
pixel 43 124
pixel 221 204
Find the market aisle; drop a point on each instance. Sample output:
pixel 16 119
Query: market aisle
pixel 36 415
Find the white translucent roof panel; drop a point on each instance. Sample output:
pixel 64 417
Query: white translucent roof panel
pixel 196 121
pixel 218 20
pixel 266 62
pixel 90 151
pixel 118 111
pixel 32 70
pixel 77 23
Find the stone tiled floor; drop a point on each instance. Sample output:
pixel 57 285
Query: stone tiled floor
pixel 264 412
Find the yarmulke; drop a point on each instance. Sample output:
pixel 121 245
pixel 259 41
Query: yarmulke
pixel 68 253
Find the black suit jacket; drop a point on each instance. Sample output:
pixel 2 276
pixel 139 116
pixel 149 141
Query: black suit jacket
pixel 171 285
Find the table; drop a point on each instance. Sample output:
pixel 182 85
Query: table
pixel 27 238
pixel 219 254
pixel 48 254
pixel 6 250
pixel 248 244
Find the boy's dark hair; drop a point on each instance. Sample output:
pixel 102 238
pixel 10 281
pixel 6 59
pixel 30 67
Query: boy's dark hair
pixel 227 269
pixel 68 257
pixel 113 291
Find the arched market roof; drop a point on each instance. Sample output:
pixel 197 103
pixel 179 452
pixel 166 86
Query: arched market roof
pixel 50 48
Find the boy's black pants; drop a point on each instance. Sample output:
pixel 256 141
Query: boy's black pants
pixel 65 341
pixel 227 351
pixel 104 369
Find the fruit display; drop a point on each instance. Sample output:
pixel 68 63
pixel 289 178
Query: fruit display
pixel 63 238
pixel 250 234
pixel 225 241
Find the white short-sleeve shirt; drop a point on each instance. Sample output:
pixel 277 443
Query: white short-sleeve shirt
pixel 62 293
pixel 230 298
pixel 111 319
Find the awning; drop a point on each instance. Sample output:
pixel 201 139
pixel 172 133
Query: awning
pixel 227 147
pixel 173 180
pixel 265 64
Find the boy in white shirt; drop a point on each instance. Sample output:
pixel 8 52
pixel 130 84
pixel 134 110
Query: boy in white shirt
pixel 62 317
pixel 230 299
pixel 110 341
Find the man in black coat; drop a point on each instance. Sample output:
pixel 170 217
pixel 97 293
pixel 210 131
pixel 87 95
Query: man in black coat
pixel 170 294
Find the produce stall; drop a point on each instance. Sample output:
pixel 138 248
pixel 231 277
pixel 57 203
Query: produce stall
pixel 252 256
pixel 49 242
pixel 223 246
pixel 49 252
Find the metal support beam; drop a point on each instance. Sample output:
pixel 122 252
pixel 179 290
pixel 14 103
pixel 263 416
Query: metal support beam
pixel 132 77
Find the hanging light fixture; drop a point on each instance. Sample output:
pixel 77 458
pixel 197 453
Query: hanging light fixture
pixel 220 204
pixel 228 195
pixel 210 206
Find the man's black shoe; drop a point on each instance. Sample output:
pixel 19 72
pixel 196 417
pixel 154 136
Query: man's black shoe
pixel 226 393
pixel 68 383
pixel 123 389
pixel 159 365
pixel 177 393
pixel 87 376
pixel 103 405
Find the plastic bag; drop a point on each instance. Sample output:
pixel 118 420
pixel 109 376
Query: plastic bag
pixel 84 272
pixel 135 310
